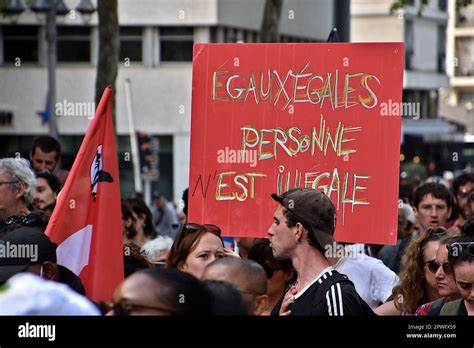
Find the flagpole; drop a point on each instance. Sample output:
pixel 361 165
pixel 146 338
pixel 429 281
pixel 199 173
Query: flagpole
pixel 133 138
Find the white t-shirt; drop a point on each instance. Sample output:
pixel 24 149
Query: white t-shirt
pixel 372 279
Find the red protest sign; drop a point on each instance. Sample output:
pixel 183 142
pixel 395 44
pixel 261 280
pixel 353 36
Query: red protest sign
pixel 268 117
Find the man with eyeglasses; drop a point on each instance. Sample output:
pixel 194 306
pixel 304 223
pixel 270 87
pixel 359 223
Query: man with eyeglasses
pixel 161 292
pixel 433 204
pixel 17 187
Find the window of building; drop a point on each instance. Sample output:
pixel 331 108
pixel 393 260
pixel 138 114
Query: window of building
pixel 441 48
pixel 464 52
pixel 6 118
pixel 74 44
pixel 229 35
pixel 250 36
pixel 176 44
pixel 256 36
pixel 464 15
pixel 19 42
pixel 466 97
pixel 426 99
pixel 442 5
pixel 131 44
pixel 214 36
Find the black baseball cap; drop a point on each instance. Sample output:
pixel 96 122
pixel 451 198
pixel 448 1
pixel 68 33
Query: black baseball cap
pixel 314 209
pixel 23 247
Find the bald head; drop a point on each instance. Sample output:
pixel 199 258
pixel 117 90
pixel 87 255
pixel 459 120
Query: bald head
pixel 246 275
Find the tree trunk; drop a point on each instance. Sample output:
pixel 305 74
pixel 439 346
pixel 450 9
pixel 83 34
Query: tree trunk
pixel 108 49
pixel 271 21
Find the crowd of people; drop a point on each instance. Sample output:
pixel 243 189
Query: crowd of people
pixel 175 267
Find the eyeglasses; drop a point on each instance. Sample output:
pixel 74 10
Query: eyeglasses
pixel 464 194
pixel 192 227
pixel 457 248
pixel 125 309
pixel 8 182
pixel 26 220
pixel 433 266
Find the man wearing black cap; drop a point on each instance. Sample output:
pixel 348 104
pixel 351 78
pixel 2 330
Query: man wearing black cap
pixel 302 231
pixel 27 249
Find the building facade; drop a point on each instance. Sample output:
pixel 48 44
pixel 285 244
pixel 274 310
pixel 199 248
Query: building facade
pixel 156 38
pixel 429 136
pixel 458 100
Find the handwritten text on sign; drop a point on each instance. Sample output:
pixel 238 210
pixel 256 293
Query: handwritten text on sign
pixel 268 117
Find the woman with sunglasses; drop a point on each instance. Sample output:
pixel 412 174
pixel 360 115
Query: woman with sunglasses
pixel 417 284
pixel 461 260
pixel 195 247
pixel 445 282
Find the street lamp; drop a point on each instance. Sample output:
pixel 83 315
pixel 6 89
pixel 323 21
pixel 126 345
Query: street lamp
pixel 51 8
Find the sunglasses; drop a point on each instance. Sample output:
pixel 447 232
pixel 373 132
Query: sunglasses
pixel 433 266
pixel 8 182
pixel 436 232
pixel 457 248
pixel 26 220
pixel 191 227
pixel 126 309
pixel 464 194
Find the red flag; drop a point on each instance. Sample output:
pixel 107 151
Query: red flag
pixel 86 223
